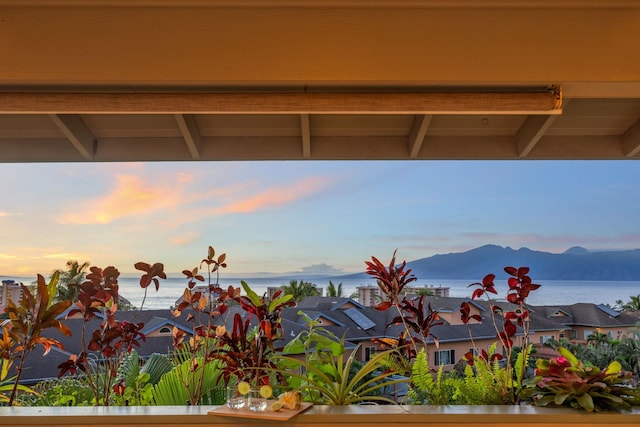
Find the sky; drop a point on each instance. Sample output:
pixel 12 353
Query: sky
pixel 308 217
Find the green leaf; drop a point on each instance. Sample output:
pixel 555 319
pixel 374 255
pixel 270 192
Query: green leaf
pixel 586 402
pixel 279 301
pixel 560 398
pixel 255 299
pixel 614 367
pixel 52 287
pixel 569 356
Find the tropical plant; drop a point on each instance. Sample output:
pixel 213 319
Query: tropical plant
pixel 138 380
pixel 26 323
pixel 598 340
pixel 299 290
pixel 425 389
pixel 67 391
pixel 509 378
pixel 334 290
pixel 104 348
pixel 7 384
pixel 627 352
pixel 329 373
pixel 632 305
pixel 565 381
pixel 69 279
pixel 414 316
pixel 339 379
pixel 247 352
pixel 203 306
pixel 177 387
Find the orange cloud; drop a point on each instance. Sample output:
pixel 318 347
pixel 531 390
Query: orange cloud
pixel 132 196
pixel 275 196
pixel 185 239
pixel 64 256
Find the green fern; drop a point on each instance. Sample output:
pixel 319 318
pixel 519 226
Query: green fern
pixel 425 389
pixel 421 380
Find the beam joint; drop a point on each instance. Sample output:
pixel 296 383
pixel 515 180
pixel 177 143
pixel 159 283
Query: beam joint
pixel 631 140
pixel 74 128
pixel 190 132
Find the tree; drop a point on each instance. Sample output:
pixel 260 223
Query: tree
pixel 333 290
pixel 73 275
pixel 632 305
pixel 300 289
pixel 627 352
pixel 425 292
pixel 599 340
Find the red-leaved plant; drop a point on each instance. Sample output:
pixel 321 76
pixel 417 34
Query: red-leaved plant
pixel 202 305
pixel 412 314
pixel 105 347
pixel 23 331
pixel 506 323
pixel 246 352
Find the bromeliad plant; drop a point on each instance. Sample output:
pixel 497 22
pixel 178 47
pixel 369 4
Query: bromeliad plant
pixel 508 379
pixel 566 381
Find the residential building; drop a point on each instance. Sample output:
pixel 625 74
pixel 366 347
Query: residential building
pixel 10 290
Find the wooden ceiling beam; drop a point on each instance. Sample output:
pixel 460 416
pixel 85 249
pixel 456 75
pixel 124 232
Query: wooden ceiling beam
pixel 418 132
pixel 244 148
pixel 454 102
pixel 631 140
pixel 305 129
pixel 72 126
pixel 531 132
pixel 190 133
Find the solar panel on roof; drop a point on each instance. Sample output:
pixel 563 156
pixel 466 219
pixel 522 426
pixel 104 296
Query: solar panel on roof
pixel 610 311
pixel 360 318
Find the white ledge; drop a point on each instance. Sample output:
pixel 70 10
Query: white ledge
pixel 354 416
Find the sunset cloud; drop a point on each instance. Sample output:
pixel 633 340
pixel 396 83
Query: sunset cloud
pixel 274 196
pixel 5 214
pixel 185 239
pixel 131 196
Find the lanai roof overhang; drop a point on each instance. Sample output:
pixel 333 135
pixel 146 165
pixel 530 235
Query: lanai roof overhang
pixel 171 80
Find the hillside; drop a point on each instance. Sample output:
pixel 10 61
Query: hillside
pixel 574 264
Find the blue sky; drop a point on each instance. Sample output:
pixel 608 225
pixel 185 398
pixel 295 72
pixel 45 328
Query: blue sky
pixel 315 217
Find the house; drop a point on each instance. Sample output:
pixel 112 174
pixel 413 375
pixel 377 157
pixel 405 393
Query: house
pixel 578 321
pixel 362 328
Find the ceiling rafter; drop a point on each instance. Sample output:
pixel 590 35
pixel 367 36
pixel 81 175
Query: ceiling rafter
pixel 305 129
pixel 631 140
pixel 418 132
pixel 73 127
pixel 530 133
pixel 190 133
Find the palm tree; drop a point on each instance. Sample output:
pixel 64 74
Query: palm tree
pixel 599 340
pixel 627 352
pixel 301 289
pixel 632 305
pixel 73 275
pixel 333 291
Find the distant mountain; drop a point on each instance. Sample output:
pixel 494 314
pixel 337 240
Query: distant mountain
pixel 574 264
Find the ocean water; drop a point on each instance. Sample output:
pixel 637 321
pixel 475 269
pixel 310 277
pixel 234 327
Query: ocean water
pixel 552 292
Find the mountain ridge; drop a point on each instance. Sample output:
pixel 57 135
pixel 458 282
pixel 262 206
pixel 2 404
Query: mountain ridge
pixel 576 263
